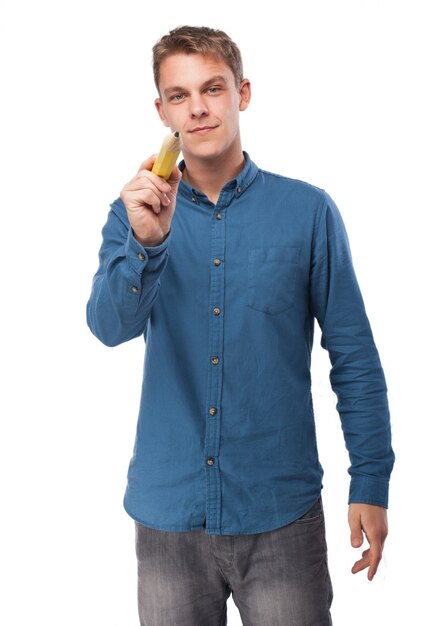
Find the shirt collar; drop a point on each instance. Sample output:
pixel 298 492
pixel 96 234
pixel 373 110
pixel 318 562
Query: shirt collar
pixel 238 184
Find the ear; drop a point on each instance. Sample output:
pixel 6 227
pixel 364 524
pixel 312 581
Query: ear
pixel 159 107
pixel 245 94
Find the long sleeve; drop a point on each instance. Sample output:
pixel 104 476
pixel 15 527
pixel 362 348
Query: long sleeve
pixel 226 436
pixel 126 283
pixel 356 375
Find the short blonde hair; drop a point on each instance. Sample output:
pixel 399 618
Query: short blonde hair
pixel 197 40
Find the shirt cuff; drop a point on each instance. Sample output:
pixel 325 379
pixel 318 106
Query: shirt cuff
pixel 369 490
pixel 139 256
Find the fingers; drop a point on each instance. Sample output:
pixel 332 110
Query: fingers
pixel 362 564
pixel 375 556
pixel 370 559
pixel 376 539
pixel 144 172
pixel 148 163
pixel 356 538
pixel 147 198
pixel 150 203
pixel 145 179
pixel 372 521
pixel 147 189
pixel 356 535
pixel 145 175
pixel 144 197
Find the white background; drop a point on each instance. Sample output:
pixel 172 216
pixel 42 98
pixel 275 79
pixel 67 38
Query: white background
pixel 344 97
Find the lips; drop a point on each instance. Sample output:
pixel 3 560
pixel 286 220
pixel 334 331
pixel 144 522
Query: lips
pixel 202 130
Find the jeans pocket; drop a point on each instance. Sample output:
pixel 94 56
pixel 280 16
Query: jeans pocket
pixel 271 278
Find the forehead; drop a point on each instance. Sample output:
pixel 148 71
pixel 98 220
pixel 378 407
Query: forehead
pixel 189 70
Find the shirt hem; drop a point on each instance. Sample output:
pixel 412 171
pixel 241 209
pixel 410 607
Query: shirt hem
pixel 143 522
pixel 213 531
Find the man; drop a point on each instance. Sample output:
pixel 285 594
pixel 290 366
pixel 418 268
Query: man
pixel 223 269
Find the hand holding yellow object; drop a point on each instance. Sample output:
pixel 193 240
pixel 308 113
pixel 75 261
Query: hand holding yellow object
pixel 167 156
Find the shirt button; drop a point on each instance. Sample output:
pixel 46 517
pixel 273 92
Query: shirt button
pixel 218 216
pixel 193 199
pixel 217 262
pixel 134 289
pixel 216 311
pixel 210 461
pixel 215 360
pixel 238 190
pixel 213 411
pixel 141 256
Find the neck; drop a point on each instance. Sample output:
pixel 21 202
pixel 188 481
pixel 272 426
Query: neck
pixel 210 175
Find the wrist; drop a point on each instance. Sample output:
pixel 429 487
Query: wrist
pixel 151 243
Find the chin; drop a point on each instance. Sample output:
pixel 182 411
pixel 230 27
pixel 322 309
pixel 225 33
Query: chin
pixel 206 151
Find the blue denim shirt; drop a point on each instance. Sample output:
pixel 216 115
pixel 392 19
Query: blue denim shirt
pixel 226 305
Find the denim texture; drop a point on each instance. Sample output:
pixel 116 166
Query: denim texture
pixel 276 578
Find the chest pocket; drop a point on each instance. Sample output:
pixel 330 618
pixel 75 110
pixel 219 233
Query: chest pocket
pixel 272 274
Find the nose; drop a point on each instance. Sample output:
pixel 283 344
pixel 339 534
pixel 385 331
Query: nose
pixel 198 107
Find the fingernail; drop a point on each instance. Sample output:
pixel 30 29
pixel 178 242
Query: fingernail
pixel 166 200
pixel 355 543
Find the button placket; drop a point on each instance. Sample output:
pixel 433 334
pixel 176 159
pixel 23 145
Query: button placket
pixel 214 391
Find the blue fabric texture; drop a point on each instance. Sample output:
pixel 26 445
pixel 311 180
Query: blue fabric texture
pixel 226 304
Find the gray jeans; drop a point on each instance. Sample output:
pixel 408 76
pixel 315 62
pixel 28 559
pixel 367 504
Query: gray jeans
pixel 277 578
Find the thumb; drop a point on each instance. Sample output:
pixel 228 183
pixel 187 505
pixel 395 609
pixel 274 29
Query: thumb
pixel 356 531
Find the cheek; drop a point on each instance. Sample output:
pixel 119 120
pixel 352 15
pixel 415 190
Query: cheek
pixel 232 112
pixel 174 120
pixel 232 117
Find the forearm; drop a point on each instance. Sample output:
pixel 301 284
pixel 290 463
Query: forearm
pixel 358 380
pixel 126 284
pixel 356 377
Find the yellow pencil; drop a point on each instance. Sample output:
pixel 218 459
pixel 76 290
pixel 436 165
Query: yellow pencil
pixel 167 156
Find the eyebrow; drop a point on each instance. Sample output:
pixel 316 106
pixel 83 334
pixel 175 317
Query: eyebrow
pixel 211 81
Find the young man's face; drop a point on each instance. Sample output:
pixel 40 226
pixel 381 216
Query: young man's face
pixel 200 99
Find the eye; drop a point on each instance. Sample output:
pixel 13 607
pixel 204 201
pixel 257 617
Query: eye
pixel 177 97
pixel 213 89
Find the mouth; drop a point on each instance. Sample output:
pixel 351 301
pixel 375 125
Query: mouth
pixel 202 130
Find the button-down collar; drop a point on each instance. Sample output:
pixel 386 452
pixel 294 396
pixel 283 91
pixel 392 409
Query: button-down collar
pixel 233 188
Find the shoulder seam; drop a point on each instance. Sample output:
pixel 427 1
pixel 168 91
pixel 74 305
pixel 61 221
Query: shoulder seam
pixel 295 180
